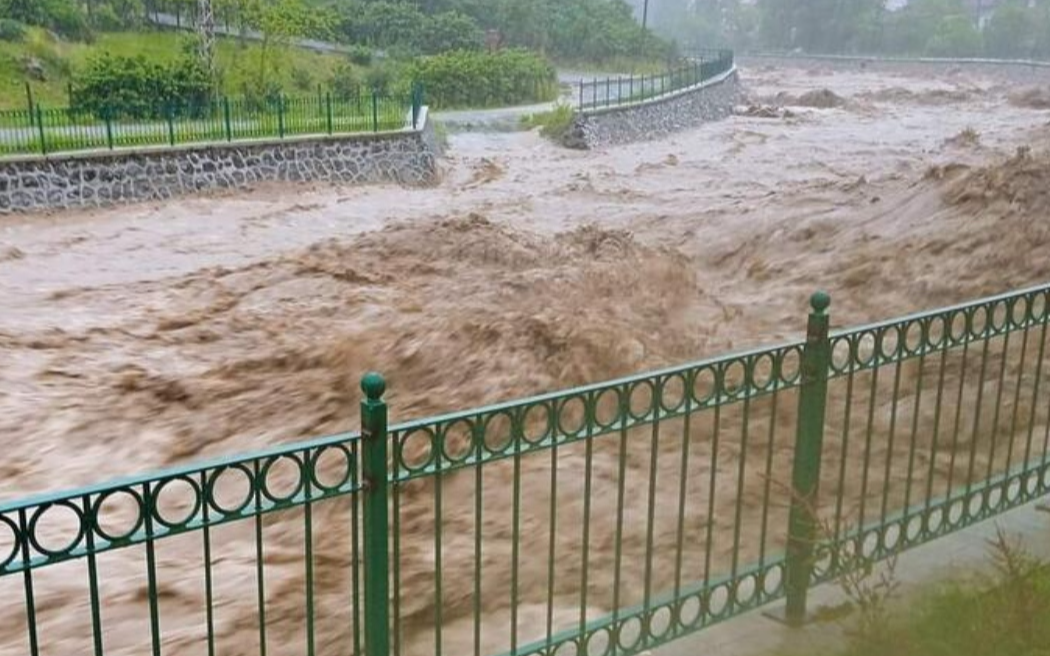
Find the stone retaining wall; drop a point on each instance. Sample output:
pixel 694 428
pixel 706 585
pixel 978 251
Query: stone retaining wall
pixel 103 178
pixel 656 117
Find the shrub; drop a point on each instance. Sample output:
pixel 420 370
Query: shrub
pixel 105 19
pixel 956 36
pixel 481 79
pixel 450 30
pixel 302 79
pixel 11 30
pixel 360 55
pixel 65 18
pixel 135 87
pixel 554 125
pixel 345 82
pixel 381 78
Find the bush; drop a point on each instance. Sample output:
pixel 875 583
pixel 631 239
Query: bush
pixel 345 82
pixel 481 79
pixel 381 78
pixel 104 18
pixel 302 79
pixel 360 55
pixel 61 16
pixel 956 36
pixel 11 30
pixel 554 125
pixel 450 30
pixel 135 87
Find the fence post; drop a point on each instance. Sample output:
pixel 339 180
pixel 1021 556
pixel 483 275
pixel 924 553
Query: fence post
pixel 375 111
pixel 109 127
pixel 805 474
pixel 280 115
pixel 226 117
pixel 328 110
pixel 40 127
pixel 374 456
pixel 170 114
pixel 417 103
pixel 581 94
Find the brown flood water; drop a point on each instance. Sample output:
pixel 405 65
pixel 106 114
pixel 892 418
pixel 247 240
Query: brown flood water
pixel 137 338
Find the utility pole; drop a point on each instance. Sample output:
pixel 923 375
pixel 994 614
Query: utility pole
pixel 645 15
pixel 206 36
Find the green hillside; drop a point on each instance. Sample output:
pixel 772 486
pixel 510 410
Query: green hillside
pixel 58 60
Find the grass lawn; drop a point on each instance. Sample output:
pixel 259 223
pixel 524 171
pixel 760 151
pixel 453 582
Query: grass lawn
pixel 1006 614
pixel 300 70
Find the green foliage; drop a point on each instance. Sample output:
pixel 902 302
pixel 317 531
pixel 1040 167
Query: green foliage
pixel 403 27
pixel 345 82
pixel 105 19
pixel 381 24
pixel 279 21
pixel 360 55
pixel 381 78
pixel 135 87
pixel 956 36
pixel 1017 31
pixel 819 25
pixel 116 15
pixel 302 79
pixel 582 30
pixel 944 28
pixel 450 30
pixel 1001 613
pixel 11 30
pixel 553 124
pixel 713 23
pixel 600 30
pixel 479 79
pixel 61 16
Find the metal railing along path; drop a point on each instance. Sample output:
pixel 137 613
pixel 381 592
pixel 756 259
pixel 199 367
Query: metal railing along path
pixel 603 520
pixel 699 67
pixel 37 130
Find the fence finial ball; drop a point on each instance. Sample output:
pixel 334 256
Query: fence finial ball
pixel 820 301
pixel 373 385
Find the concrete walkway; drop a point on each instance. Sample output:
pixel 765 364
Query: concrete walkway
pixel 958 556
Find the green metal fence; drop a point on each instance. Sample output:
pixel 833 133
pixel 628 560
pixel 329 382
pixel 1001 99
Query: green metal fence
pixel 621 90
pixel 42 130
pixel 602 520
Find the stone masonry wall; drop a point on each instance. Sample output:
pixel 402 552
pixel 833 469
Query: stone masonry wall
pixel 658 117
pixel 103 178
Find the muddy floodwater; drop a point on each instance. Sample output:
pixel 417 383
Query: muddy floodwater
pixel 139 337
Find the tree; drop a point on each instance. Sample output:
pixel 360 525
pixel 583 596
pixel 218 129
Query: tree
pixel 1011 32
pixel 820 25
pixel 279 21
pixel 956 36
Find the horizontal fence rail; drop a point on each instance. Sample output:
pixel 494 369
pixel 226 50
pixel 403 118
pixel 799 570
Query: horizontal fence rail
pixel 603 520
pixel 699 67
pixel 41 130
